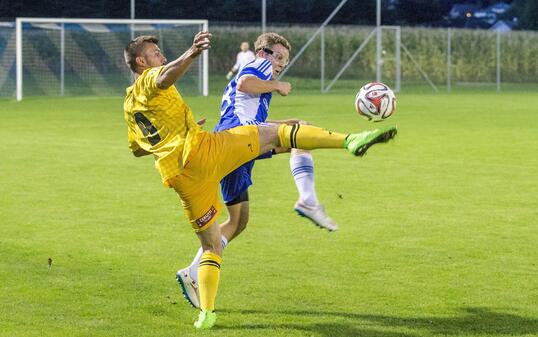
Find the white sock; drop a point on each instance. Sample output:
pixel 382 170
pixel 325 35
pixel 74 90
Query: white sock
pixel 193 268
pixel 302 168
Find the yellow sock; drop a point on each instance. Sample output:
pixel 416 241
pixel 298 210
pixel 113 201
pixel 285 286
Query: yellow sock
pixel 208 279
pixel 308 137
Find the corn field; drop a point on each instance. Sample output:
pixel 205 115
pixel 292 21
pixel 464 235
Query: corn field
pixel 473 53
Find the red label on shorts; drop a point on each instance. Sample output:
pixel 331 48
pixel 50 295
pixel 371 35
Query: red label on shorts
pixel 206 218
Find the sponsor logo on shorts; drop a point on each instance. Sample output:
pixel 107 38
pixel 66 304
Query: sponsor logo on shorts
pixel 206 218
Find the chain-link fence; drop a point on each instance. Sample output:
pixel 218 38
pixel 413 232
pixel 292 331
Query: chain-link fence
pixel 449 58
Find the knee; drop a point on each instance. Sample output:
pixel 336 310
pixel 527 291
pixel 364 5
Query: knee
pixel 214 246
pixel 268 137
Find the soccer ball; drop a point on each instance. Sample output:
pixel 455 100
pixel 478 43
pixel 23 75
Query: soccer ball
pixel 375 102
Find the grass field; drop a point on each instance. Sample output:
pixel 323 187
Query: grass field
pixel 439 229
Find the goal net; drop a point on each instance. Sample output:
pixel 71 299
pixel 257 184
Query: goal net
pixel 80 57
pixel 7 59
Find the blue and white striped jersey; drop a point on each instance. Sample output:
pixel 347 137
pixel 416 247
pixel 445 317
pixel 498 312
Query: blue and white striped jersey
pixel 241 108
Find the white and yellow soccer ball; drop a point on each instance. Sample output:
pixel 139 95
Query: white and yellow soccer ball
pixel 375 102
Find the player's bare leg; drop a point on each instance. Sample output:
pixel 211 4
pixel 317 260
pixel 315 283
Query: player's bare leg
pixel 230 229
pixel 238 215
pixel 308 137
pixel 188 277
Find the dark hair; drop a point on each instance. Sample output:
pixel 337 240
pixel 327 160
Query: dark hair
pixel 134 49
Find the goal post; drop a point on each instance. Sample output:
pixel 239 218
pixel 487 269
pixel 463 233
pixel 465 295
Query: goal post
pixel 62 57
pixel 393 59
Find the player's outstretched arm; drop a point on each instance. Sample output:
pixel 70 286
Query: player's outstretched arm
pixel 255 85
pixel 175 69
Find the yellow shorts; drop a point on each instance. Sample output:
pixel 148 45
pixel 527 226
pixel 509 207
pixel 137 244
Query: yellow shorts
pixel 217 155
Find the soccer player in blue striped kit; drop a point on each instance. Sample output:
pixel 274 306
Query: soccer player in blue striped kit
pixel 246 101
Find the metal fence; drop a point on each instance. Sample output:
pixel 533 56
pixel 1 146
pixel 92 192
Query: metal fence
pixel 448 58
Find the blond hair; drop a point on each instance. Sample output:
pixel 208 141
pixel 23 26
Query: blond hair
pixel 135 48
pixel 268 40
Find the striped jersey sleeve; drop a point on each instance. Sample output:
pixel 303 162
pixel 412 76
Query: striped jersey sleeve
pixel 260 68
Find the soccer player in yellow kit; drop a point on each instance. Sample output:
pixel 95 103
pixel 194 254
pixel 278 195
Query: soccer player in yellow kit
pixel 193 161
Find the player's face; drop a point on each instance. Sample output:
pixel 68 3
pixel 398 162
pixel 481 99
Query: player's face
pixel 152 56
pixel 279 57
pixel 244 46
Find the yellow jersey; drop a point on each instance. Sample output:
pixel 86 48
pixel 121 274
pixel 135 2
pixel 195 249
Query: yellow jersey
pixel 160 122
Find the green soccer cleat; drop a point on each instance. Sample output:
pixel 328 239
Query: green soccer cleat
pixel 359 143
pixel 206 319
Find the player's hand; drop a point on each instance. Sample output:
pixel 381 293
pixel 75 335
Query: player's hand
pixel 283 88
pixel 201 121
pixel 202 41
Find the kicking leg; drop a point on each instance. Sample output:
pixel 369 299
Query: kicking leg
pixel 310 137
